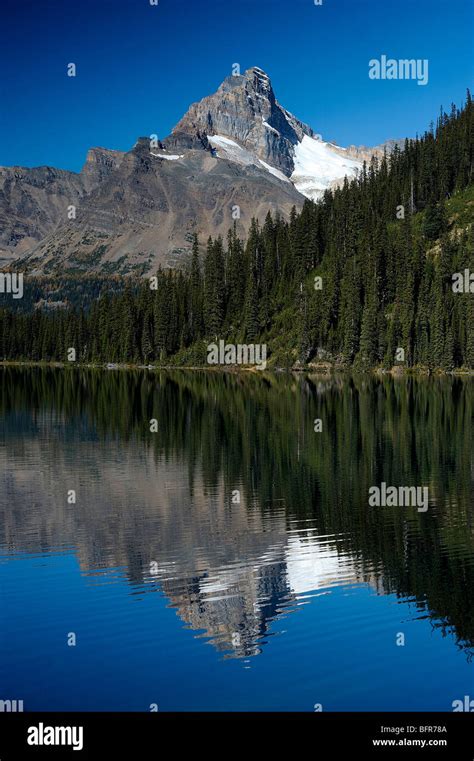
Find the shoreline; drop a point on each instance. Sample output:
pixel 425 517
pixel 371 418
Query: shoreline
pixel 323 369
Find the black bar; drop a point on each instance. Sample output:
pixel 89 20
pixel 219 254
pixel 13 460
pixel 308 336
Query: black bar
pixel 115 735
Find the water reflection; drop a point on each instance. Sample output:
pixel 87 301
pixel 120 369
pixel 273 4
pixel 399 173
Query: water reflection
pixel 161 508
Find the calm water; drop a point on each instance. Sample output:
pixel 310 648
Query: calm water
pixel 179 595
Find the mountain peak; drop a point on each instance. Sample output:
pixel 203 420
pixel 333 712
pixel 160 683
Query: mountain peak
pixel 257 70
pixel 243 122
pixel 238 146
pixel 255 73
pixel 259 82
pixel 245 110
pixel 99 164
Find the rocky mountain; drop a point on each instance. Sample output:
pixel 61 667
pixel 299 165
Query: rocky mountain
pixel 237 152
pixel 244 123
pixel 245 108
pixel 146 211
pixel 34 202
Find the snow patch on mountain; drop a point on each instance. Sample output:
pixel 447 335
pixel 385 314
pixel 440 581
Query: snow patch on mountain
pixel 232 151
pixel 317 166
pixel 171 157
pixel 229 149
pixel 274 171
pixel 269 126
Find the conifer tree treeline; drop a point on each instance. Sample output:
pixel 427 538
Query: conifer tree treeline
pixel 381 245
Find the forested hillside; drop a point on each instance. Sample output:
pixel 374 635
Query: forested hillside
pixel 349 280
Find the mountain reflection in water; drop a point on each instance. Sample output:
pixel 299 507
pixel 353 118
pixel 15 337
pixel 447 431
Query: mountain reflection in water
pixel 158 510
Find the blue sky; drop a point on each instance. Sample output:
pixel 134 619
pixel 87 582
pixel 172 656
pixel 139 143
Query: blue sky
pixel 140 66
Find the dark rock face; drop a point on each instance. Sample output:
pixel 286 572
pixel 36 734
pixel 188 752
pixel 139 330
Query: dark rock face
pixel 100 163
pixel 186 141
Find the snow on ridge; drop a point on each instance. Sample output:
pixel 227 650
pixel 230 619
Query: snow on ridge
pixel 171 157
pixel 224 140
pixel 317 166
pixel 269 126
pixel 229 149
pixel 274 171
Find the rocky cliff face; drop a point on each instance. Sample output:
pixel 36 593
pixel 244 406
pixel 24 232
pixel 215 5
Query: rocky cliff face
pixel 137 210
pixel 100 164
pixel 33 203
pixel 145 211
pixel 245 108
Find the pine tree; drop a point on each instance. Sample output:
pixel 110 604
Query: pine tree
pixel 196 315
